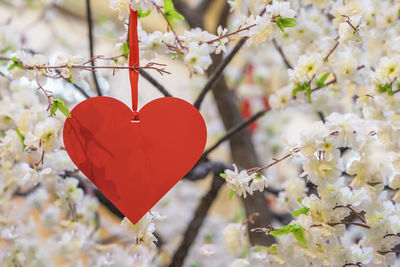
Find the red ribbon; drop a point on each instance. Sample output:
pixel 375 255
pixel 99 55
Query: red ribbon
pixel 134 60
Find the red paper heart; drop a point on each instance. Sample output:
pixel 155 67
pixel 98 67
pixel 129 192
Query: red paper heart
pixel 134 164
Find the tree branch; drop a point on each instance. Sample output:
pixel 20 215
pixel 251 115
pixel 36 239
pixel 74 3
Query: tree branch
pixel 204 167
pixel 195 224
pixel 218 72
pixel 91 45
pixel 77 87
pixel 84 184
pixel 242 148
pixel 279 48
pixel 154 82
pixel 234 130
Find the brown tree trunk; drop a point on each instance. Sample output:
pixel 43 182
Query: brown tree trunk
pixel 243 154
pixel 242 148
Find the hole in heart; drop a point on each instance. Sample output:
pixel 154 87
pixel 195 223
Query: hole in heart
pixel 135 118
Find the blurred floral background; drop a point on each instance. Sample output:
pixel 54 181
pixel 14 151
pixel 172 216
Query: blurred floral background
pixel 328 188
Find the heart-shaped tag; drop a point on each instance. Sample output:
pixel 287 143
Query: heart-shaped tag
pixel 134 163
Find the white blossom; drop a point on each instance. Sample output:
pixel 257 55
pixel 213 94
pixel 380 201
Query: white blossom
pixel 239 181
pixel 198 58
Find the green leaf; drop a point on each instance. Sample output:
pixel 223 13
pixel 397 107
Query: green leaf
pixel 321 81
pixel 303 210
pixel 231 193
pixel 283 23
pixel 280 25
pixel 142 14
pixel 222 175
pixel 53 108
pixel 64 110
pixel 295 229
pixel 299 235
pixel 273 248
pixel 58 104
pixel 297 89
pixel 283 231
pixel 386 88
pixel 288 22
pixel 20 134
pixel 125 49
pixel 16 63
pixel 303 87
pixel 170 13
pixel 22 137
pixel 308 92
pixel 168 5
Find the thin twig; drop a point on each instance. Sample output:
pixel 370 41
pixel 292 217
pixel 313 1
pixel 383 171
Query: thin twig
pixel 170 27
pixel 49 68
pixel 279 48
pixel 325 85
pixel 389 251
pixel 232 131
pixel 387 235
pixel 331 51
pixel 348 20
pixel 396 91
pixel 47 93
pixel 275 161
pixel 91 45
pixel 203 168
pixel 5 76
pixel 250 219
pixel 352 211
pixel 227 35
pixel 218 72
pixel 77 87
pixel 345 223
pixel 155 83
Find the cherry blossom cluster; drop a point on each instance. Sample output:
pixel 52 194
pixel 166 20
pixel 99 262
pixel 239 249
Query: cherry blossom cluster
pixel 196 46
pixel 344 201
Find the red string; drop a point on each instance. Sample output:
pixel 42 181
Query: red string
pixel 134 59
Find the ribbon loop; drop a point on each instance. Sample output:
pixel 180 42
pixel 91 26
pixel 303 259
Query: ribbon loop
pixel 133 59
pixel 135 117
